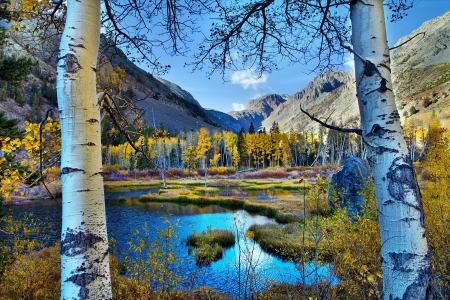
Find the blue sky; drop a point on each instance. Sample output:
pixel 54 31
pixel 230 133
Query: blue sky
pixel 241 87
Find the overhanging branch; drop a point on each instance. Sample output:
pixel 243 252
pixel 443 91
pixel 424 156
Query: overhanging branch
pixel 420 33
pixel 358 131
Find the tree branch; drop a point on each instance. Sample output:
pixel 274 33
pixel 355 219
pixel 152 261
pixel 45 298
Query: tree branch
pixel 358 131
pixel 420 33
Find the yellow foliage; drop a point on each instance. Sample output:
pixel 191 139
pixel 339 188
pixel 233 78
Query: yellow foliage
pixel 22 157
pixel 355 248
pixel 436 204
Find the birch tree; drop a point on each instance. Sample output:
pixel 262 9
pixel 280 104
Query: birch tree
pixel 84 240
pixel 157 26
pixel 258 35
pixel 405 255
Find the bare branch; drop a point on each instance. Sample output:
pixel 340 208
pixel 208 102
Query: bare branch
pixel 420 33
pixel 358 131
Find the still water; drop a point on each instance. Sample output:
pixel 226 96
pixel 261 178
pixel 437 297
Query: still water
pixel 242 267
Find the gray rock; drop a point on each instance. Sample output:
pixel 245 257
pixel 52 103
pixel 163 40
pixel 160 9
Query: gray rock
pixel 347 185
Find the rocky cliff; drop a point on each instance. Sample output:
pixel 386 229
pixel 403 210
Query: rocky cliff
pixel 257 111
pixel 421 78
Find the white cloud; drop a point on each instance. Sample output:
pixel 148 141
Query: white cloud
pixel 246 78
pixel 238 106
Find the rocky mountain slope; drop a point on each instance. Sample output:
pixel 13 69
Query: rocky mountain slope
pixel 257 111
pixel 225 120
pixel 421 77
pixel 161 101
pixel 420 69
pixel 328 95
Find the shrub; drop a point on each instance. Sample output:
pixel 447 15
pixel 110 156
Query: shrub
pixel 206 254
pixel 35 275
pixel 224 238
pixel 209 245
pixel 221 171
pixel 108 169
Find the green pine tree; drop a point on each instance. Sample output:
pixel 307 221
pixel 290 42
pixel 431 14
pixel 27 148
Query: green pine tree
pixel 251 129
pixel 8 127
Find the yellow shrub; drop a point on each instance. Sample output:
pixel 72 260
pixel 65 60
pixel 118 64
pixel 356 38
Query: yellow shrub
pixel 33 276
pixel 112 168
pixel 355 248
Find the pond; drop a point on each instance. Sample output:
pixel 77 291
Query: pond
pixel 245 263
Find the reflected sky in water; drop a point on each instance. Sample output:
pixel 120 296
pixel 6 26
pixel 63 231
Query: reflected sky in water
pixel 228 274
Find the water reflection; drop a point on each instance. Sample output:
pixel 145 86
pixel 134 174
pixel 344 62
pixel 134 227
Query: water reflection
pixel 242 267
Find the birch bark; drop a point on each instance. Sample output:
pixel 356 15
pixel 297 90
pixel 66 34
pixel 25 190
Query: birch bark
pixel 84 244
pixel 404 254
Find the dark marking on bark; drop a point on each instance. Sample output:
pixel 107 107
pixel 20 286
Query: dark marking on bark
pixel 95 70
pixel 98 260
pixel 85 190
pixel 77 45
pixel 385 66
pixel 373 51
pixel 67 170
pixel 421 287
pixel 364 102
pixel 90 144
pixel 387 202
pixel 384 178
pixel 383 100
pixel 97 173
pixel 84 268
pixel 390 122
pixel 72 27
pixel 394 115
pixel 406 219
pixel 370 69
pixel 400 259
pixel 383 86
pixel 92 121
pixel 401 179
pixel 83 293
pixel 373 37
pixel 83 279
pixel 378 131
pixel 71 63
pixel 381 116
pixel 76 243
pixel 381 149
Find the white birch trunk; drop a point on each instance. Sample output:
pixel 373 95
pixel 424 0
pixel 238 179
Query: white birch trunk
pixel 84 244
pixel 404 253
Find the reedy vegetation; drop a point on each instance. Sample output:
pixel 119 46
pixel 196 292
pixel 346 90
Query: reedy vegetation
pixel 352 246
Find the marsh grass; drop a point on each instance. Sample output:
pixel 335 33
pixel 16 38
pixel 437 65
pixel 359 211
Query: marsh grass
pixel 224 238
pixel 209 245
pixel 282 185
pixel 285 241
pixel 206 254
pixel 205 190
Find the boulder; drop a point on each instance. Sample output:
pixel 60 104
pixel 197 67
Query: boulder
pixel 347 186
